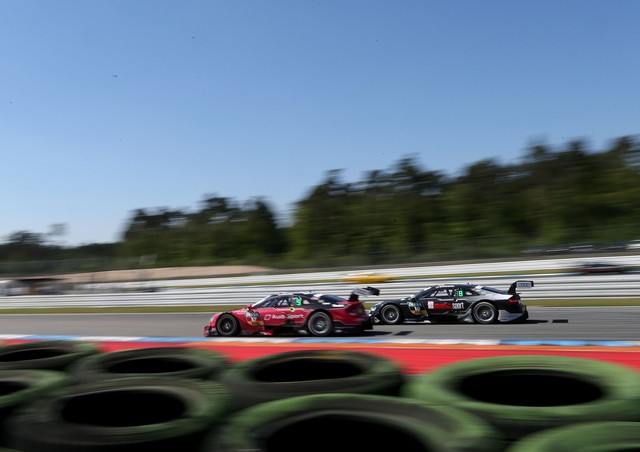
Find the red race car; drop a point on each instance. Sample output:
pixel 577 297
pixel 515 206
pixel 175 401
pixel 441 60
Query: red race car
pixel 316 314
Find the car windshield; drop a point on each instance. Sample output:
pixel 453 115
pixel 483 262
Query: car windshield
pixel 425 292
pixel 265 302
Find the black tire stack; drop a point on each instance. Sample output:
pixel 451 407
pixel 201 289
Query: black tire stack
pixel 352 422
pixel 305 372
pixel 172 362
pixel 123 414
pixel 527 395
pixel 49 354
pixel 69 396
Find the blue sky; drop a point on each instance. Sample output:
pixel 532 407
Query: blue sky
pixel 107 106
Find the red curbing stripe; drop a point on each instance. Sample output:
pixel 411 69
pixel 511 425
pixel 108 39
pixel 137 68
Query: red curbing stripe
pixel 412 358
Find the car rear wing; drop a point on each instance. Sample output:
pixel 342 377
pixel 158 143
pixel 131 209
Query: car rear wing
pixel 364 291
pixel 520 284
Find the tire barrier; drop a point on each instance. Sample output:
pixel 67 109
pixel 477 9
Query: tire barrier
pixel 303 372
pixel 364 421
pixel 144 399
pixel 175 362
pixel 46 355
pixel 20 387
pixel 520 395
pixel 124 414
pixel 588 437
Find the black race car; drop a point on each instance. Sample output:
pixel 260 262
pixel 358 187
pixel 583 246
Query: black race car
pixel 464 303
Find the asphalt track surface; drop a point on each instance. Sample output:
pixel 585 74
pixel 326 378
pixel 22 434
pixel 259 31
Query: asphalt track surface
pixel 544 324
pixel 606 333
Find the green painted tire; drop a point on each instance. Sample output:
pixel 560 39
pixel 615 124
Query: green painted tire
pixel 304 372
pixel 125 414
pixel 47 354
pixel 364 422
pixel 523 394
pixel 21 387
pixel 174 362
pixel 609 436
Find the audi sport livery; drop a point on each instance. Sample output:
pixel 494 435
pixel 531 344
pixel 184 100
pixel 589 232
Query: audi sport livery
pixel 317 314
pixel 464 303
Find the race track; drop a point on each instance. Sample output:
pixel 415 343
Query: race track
pixel 607 333
pixel 544 324
pixel 593 333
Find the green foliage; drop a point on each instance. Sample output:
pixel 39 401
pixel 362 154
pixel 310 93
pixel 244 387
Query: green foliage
pixel 404 214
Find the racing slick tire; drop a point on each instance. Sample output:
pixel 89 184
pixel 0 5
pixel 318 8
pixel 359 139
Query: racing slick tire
pixel 303 372
pixel 127 414
pixel 520 395
pixel 46 354
pixel 391 315
pixel 175 362
pixel 365 421
pixel 21 386
pixel 227 325
pixel 485 313
pixel 588 437
pixel 320 324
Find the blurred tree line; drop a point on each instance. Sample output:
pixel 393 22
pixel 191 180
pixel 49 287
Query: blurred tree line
pixel 403 214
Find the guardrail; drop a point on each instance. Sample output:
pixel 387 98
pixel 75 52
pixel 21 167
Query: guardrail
pixel 546 287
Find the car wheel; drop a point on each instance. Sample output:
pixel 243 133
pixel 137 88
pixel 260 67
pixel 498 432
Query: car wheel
pixel 46 354
pixel 304 372
pixel 123 414
pixel 485 313
pixel 227 325
pixel 602 436
pixel 524 394
pixel 320 324
pixel 284 425
pixel 391 315
pixel 175 362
